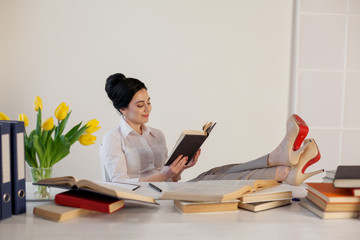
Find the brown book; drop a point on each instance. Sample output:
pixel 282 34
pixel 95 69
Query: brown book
pixel 266 195
pixel 325 215
pixel 261 206
pixel 189 142
pixel 109 189
pixel 329 194
pixel 216 191
pixel 58 213
pixel 332 207
pixel 205 207
pixel 347 176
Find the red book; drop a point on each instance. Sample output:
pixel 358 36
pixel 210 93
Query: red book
pixel 89 200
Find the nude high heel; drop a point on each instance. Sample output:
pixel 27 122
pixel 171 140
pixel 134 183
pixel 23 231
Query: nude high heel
pixel 289 151
pixel 310 156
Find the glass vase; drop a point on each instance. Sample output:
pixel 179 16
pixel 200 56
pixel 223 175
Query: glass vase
pixel 41 192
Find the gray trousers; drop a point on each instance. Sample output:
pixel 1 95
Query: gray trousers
pixel 255 169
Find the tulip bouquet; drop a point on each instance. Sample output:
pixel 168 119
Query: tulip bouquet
pixel 47 144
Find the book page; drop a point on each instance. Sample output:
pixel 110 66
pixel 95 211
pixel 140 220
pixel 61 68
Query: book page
pixel 207 190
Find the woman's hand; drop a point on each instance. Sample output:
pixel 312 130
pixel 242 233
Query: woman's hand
pixel 174 168
pixel 191 163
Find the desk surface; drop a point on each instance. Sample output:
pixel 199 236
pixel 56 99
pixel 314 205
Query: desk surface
pixel 139 221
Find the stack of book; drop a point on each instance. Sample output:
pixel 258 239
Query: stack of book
pixel 266 199
pixel 74 203
pixel 329 176
pixel 338 199
pixel 85 197
pixel 222 195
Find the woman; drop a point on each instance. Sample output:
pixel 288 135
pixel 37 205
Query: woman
pixel 135 152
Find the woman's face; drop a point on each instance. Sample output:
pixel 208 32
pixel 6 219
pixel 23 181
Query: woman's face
pixel 139 108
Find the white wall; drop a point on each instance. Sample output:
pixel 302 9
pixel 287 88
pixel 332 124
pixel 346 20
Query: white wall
pixel 327 78
pixel 225 61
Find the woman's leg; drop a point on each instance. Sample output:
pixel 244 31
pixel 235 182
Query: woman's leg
pixel 278 173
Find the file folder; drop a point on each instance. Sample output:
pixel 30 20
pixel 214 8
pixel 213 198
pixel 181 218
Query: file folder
pixel 5 172
pixel 17 159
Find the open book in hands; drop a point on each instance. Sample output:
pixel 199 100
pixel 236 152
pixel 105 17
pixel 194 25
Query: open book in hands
pixel 189 142
pixel 109 189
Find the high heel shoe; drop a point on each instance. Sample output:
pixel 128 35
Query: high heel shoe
pixel 302 130
pixel 290 150
pixel 310 156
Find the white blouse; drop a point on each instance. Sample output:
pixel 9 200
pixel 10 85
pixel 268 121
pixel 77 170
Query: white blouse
pixel 127 155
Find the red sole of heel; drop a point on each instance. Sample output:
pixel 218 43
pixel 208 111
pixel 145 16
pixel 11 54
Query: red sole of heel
pixel 303 131
pixel 311 162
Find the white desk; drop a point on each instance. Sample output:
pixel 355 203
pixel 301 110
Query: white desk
pixel 137 221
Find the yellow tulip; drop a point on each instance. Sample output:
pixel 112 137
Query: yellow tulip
pixel 48 124
pixel 3 116
pixel 92 126
pixel 24 118
pixel 61 111
pixel 87 139
pixel 38 103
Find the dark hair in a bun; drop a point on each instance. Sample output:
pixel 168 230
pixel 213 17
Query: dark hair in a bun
pixel 121 89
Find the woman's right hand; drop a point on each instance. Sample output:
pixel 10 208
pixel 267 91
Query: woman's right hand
pixel 175 167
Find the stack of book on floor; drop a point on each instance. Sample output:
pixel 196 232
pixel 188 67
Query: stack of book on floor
pixel 213 196
pixel 266 199
pixel 85 197
pixel 328 202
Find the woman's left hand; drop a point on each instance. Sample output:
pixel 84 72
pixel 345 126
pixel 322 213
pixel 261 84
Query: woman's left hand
pixel 191 163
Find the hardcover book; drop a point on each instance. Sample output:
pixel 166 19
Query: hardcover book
pixel 261 206
pixel 347 176
pixel 189 142
pixel 329 194
pixel 108 189
pixel 205 207
pixel 216 191
pixel 58 213
pixel 325 215
pixel 89 200
pixel 332 207
pixel 269 194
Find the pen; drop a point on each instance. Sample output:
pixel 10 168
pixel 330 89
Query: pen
pixel 155 187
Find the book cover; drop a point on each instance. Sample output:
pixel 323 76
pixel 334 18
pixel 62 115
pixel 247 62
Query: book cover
pixel 265 195
pixel 261 206
pixel 328 193
pixel 205 207
pixel 58 213
pixel 216 191
pixel 307 204
pixel 347 176
pixel 109 189
pixel 89 200
pixel 332 207
pixel 189 142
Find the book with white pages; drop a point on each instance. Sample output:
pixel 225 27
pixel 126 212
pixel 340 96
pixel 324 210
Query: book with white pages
pixel 270 194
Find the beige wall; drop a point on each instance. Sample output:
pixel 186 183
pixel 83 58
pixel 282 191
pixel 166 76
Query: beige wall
pixel 224 61
pixel 327 78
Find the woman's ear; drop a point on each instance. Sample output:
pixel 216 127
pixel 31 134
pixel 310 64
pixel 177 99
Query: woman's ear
pixel 122 111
